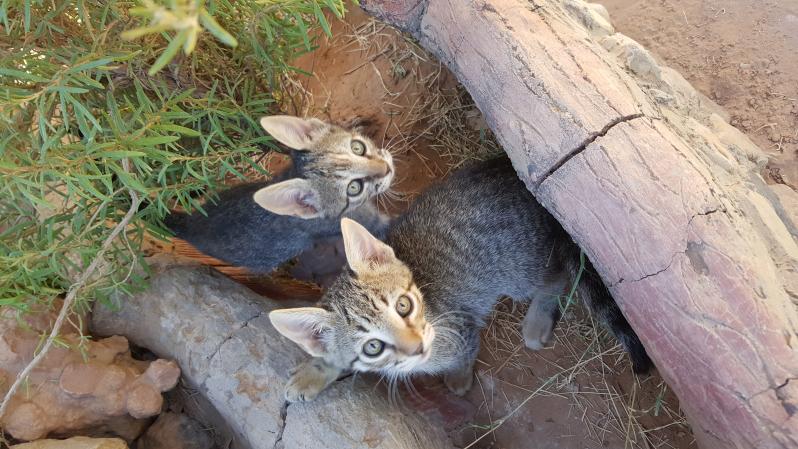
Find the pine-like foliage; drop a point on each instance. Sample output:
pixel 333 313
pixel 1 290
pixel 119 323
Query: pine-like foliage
pixel 103 101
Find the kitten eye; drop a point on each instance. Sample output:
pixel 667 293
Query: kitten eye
pixel 373 347
pixel 355 187
pixel 404 306
pixel 358 147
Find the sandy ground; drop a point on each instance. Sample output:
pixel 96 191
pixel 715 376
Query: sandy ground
pixel 741 53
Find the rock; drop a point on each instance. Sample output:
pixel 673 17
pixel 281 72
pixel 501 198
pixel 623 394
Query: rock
pixel 220 334
pixel 633 55
pixel 175 431
pixel 98 389
pixel 354 417
pixel 75 443
pixel 594 17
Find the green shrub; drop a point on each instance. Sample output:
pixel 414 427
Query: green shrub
pixel 103 101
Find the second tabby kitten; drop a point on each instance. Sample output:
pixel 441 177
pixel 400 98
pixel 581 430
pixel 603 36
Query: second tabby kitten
pixel 417 304
pixel 336 172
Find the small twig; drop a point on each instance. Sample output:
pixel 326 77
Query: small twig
pixel 70 297
pixel 766 125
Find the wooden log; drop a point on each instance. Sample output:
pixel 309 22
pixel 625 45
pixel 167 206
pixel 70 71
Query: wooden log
pixel 654 184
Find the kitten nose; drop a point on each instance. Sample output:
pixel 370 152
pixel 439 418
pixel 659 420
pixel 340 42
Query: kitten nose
pixel 419 350
pixel 378 168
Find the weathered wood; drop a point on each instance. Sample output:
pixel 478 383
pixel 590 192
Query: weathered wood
pixel 661 192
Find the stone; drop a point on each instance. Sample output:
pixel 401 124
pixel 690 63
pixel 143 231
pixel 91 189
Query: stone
pixel 96 389
pixel 75 443
pixel 231 355
pixel 634 56
pixel 175 431
pixel 594 17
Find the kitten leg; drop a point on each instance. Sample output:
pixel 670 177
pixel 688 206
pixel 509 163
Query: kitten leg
pixel 461 378
pixel 540 321
pixel 310 379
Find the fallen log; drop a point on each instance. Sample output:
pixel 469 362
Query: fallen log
pixel 649 178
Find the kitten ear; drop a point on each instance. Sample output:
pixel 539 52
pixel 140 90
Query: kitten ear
pixel 294 132
pixel 304 326
pixel 362 248
pixel 294 197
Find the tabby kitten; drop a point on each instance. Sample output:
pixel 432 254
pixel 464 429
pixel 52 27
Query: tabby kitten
pixel 336 172
pixel 417 304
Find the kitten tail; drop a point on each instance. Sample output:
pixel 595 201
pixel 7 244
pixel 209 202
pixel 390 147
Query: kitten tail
pixel 598 300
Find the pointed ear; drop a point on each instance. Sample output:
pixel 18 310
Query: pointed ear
pixel 295 132
pixel 294 197
pixel 362 248
pixel 304 326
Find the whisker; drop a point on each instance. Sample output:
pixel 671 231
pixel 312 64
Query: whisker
pixel 412 388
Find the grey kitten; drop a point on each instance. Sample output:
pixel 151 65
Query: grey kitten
pixel 336 172
pixel 417 304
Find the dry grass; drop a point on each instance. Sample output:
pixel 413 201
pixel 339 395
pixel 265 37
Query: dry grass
pixel 582 368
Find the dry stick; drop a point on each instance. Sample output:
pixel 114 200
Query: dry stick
pixel 70 298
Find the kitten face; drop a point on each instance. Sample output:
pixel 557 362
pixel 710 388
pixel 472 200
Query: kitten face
pixel 341 169
pixel 373 318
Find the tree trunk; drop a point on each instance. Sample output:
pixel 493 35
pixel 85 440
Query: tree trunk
pixel 659 190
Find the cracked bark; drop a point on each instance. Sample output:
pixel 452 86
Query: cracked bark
pixel 578 150
pixel 232 334
pixel 283 420
pixel 674 255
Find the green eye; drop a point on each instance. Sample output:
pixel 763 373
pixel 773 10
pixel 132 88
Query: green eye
pixel 358 147
pixel 404 306
pixel 354 188
pixel 373 347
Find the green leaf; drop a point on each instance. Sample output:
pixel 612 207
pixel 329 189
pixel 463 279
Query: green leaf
pixel 23 75
pixel 213 26
pixel 89 65
pixel 169 53
pixel 178 129
pixel 322 20
pixel 152 141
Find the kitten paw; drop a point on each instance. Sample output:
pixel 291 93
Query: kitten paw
pixel 538 330
pixel 310 379
pixel 459 382
pixel 537 344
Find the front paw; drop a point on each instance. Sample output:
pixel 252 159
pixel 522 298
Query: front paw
pixel 459 382
pixel 310 379
pixel 303 387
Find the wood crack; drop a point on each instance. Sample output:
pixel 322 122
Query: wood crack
pixel 229 336
pixel 673 256
pixel 283 420
pixel 590 139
